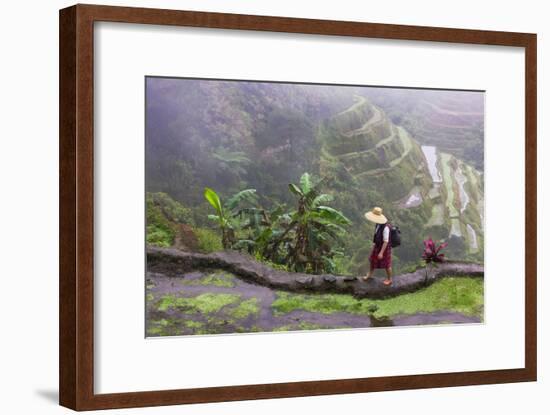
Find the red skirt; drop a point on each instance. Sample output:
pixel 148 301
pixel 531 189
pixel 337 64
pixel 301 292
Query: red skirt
pixel 385 262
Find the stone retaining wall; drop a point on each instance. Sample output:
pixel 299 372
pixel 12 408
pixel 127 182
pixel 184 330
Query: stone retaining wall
pixel 173 262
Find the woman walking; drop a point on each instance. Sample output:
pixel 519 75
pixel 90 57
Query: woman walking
pixel 380 256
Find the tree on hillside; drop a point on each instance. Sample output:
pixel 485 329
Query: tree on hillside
pixel 313 231
pixel 228 213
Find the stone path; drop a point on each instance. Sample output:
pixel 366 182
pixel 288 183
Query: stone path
pixel 172 262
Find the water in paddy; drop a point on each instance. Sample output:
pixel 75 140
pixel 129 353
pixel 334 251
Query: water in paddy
pixel 464 198
pixel 430 152
pixel 472 237
pixel 413 200
pixel 216 302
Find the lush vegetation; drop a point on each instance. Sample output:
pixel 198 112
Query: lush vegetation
pixel 285 173
pixel 304 239
pixel 261 137
pixel 162 215
pixel 228 214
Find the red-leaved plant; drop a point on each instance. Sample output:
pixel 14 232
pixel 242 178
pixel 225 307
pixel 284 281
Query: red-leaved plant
pixel 431 254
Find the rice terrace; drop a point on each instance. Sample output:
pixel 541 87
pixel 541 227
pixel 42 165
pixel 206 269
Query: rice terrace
pixel 271 206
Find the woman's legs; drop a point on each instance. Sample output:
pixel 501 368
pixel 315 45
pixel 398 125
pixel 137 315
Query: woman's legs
pixel 388 280
pixel 369 274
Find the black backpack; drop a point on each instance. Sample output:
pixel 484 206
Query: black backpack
pixel 395 235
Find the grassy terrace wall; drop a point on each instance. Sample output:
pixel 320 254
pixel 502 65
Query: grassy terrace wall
pixel 375 150
pixel 354 117
pixel 341 142
pixel 338 144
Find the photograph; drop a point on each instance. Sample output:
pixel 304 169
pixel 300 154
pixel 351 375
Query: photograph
pixel 207 206
pixel 277 206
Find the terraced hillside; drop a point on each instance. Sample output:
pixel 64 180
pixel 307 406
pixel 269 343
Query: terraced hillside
pixel 385 160
pixel 463 204
pixel 375 152
pixel 416 153
pixel 453 120
pixel 255 201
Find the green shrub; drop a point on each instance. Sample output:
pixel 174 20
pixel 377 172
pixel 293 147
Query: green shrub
pixel 209 241
pixel 342 265
pixel 280 267
pixel 159 236
pixel 160 231
pixel 163 214
pixel 171 209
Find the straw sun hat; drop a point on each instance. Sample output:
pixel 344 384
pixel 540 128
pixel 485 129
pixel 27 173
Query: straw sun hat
pixel 375 215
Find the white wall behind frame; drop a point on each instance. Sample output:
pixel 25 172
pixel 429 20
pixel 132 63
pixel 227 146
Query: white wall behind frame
pixel 29 168
pixel 125 53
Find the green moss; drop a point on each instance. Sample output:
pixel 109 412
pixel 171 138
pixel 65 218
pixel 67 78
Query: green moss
pixel 159 327
pixel 246 308
pixel 204 303
pixel 458 294
pixel 193 324
pixel 149 297
pixel 154 331
pixel 218 279
pixel 215 322
pixel 322 303
pixel 303 325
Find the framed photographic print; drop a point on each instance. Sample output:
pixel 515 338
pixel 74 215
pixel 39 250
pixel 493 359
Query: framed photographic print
pixel 257 207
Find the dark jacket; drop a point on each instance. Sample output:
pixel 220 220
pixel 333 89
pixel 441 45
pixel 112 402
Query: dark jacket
pixel 378 238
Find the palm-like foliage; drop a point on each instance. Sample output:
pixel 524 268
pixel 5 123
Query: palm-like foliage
pixel 228 213
pixel 313 229
pixel 234 162
pixel 264 227
pixel 303 239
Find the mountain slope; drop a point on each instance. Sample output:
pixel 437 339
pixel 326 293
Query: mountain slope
pixel 236 135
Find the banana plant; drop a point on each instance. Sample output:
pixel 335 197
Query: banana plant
pixel 305 239
pixel 263 227
pixel 313 230
pixel 228 213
